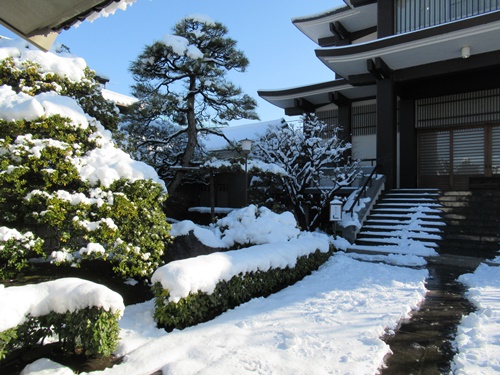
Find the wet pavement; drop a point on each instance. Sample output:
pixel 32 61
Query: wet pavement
pixel 423 344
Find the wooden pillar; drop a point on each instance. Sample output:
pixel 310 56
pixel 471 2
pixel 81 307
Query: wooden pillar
pixel 387 131
pixel 407 144
pixel 385 18
pixel 345 122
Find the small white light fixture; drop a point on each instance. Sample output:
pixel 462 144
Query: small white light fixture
pixel 246 146
pixel 336 210
pixel 465 52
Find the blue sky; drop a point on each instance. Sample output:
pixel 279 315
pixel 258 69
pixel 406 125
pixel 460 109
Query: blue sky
pixel 280 55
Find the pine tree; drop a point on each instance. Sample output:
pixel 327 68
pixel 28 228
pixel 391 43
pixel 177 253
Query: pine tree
pixel 181 81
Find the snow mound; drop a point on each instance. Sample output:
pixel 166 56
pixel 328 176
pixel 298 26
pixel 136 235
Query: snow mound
pixel 257 225
pixel 477 340
pixel 250 225
pixel 45 366
pixel 63 64
pixel 59 296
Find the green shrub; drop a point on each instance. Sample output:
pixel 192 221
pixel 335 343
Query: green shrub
pixel 201 307
pixel 123 225
pixel 15 250
pixel 30 79
pixel 6 339
pixel 41 189
pixel 90 331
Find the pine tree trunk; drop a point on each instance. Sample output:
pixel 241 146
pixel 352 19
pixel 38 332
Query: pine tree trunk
pixel 192 133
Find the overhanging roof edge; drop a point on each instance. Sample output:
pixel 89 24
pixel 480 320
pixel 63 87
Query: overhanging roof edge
pixel 308 89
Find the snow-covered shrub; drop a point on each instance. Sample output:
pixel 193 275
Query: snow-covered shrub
pixel 81 314
pixel 201 307
pixel 61 175
pixel 29 77
pixel 314 169
pixel 123 225
pixel 254 225
pixel 15 250
pixel 194 290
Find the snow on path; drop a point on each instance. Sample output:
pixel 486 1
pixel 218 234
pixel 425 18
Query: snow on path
pixel 329 323
pixel 478 335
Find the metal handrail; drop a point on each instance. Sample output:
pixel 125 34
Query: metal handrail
pixel 364 187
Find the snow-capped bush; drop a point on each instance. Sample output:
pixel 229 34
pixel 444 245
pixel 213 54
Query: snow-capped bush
pixel 15 250
pixel 61 174
pixel 195 290
pixel 82 315
pixel 257 225
pixel 243 227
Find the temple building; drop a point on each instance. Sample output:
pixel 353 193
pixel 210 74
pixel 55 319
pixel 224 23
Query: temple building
pixel 415 86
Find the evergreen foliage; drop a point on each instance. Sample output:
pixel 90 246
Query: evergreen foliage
pixel 43 195
pixel 182 80
pixel 201 307
pixel 28 78
pixel 90 331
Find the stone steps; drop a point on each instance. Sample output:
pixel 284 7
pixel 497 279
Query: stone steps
pixel 404 221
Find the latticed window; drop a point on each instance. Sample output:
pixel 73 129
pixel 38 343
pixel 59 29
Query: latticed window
pixel 331 119
pixel 418 14
pixel 364 119
pixel 471 108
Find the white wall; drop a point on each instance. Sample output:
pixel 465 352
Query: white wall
pixel 364 146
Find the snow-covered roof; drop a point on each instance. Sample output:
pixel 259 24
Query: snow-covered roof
pixel 236 133
pixel 41 21
pixel 118 99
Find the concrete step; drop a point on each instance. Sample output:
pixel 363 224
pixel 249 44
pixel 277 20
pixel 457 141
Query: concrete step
pixel 418 227
pixel 402 216
pixel 397 223
pixel 421 236
pixel 388 241
pixel 494 239
pixel 385 249
pixel 463 227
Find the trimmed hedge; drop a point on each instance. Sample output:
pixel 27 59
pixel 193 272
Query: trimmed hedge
pixel 201 307
pixel 90 331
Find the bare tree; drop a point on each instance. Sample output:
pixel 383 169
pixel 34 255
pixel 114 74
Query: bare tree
pixel 316 168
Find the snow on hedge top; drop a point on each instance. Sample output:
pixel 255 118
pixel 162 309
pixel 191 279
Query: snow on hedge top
pixel 278 244
pixel 63 64
pixel 107 164
pixel 14 107
pixel 59 296
pixel 203 273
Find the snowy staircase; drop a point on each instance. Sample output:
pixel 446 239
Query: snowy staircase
pixel 404 222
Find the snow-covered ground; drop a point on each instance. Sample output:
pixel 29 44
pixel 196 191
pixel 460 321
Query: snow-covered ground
pixel 331 322
pixel 478 336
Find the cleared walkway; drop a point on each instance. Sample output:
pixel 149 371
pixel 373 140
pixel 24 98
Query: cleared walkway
pixel 444 225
